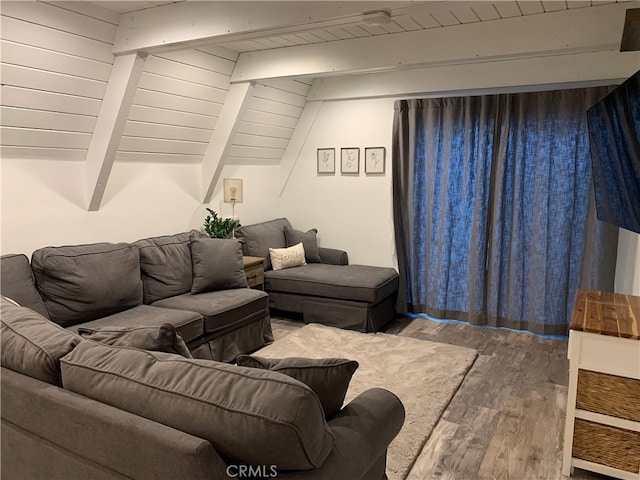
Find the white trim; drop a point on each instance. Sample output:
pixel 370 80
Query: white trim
pixel 298 139
pixel 612 472
pixel 189 24
pixel 565 32
pixel 526 74
pixel 222 136
pixel 110 124
pixel 608 420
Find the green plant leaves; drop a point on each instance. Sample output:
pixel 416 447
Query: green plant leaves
pixel 218 227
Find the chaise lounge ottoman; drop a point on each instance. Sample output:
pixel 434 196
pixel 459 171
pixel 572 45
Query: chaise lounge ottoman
pixel 325 289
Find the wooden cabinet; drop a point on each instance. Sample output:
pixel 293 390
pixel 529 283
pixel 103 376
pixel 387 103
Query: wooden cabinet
pixel 254 270
pixel 602 430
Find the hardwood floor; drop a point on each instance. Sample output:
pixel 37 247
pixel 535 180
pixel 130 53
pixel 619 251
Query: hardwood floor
pixel 507 419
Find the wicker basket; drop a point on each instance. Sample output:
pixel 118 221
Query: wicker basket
pixel 615 447
pixel 609 395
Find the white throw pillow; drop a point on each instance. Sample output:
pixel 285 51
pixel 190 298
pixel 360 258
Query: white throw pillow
pixel 287 257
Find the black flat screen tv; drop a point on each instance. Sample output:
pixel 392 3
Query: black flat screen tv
pixel 614 134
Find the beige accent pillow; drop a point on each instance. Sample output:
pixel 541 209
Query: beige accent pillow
pixel 287 257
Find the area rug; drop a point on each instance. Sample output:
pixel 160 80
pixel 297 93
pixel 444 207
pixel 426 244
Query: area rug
pixel 424 375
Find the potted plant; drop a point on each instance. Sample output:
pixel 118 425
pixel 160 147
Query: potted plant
pixel 218 227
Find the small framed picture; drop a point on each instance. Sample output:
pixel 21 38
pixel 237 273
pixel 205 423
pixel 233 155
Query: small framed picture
pixel 326 160
pixel 350 160
pixel 374 160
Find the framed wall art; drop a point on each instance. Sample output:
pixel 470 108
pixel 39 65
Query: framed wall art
pixel 326 160
pixel 350 160
pixel 374 160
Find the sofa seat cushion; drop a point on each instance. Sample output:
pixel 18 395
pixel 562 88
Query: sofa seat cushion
pixel 17 282
pixel 165 265
pixel 189 324
pixel 222 310
pixel 346 282
pixel 251 416
pixel 83 282
pixel 31 344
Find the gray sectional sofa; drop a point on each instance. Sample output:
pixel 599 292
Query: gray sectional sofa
pixel 74 408
pixel 325 289
pixel 188 280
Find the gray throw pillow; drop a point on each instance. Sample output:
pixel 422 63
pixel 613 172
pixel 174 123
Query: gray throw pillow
pixel 309 241
pixel 217 265
pixel 31 344
pixel 80 283
pixel 258 238
pixel 162 338
pixel 18 283
pixel 328 377
pixel 165 265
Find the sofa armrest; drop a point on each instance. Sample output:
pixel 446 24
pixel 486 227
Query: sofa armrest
pixel 363 430
pixel 47 432
pixel 333 256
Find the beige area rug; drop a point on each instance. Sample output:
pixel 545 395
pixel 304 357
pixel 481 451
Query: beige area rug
pixel 424 375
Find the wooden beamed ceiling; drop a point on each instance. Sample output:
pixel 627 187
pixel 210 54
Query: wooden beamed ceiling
pixel 285 57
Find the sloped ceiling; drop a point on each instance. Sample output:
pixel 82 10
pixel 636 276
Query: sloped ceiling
pixel 57 63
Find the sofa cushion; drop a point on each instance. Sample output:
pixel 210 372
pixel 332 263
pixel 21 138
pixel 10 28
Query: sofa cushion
pixel 217 265
pixel 222 310
pixel 189 324
pixel 309 240
pixel 17 282
pixel 251 416
pixel 163 338
pixel 328 377
pixel 31 344
pixel 165 265
pixel 256 239
pixel 289 257
pixel 84 282
pixel 347 282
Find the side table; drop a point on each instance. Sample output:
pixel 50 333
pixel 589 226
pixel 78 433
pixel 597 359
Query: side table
pixel 602 429
pixel 254 270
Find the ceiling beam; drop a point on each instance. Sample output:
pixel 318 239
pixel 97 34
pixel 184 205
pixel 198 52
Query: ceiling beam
pixel 298 140
pixel 568 31
pixel 186 24
pixel 567 70
pixel 222 137
pixel 116 103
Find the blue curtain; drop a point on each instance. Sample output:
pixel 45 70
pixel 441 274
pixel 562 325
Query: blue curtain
pixel 492 207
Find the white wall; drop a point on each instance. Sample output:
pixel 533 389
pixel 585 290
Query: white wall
pixel 628 265
pixel 350 212
pixel 42 203
pixel 260 195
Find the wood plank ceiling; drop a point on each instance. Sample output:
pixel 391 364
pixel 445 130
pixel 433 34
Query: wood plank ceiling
pixel 56 60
